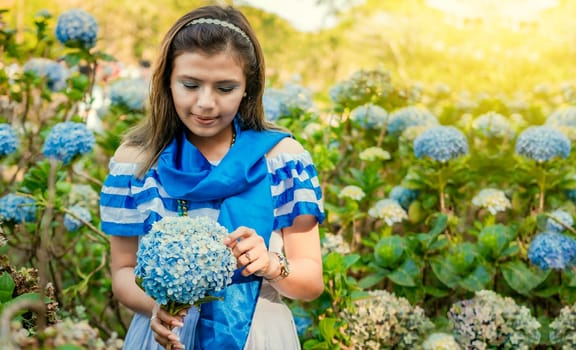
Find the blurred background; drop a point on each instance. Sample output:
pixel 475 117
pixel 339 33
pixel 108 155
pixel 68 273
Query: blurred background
pixel 505 46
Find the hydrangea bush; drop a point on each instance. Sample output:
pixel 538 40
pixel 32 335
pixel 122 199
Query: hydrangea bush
pixel 129 93
pixel 542 143
pixel 489 320
pixel 563 328
pixel 17 209
pixel 441 143
pixel 9 140
pixel 54 72
pixel 77 28
pixel 552 250
pixel 384 321
pixel 73 220
pixel 67 140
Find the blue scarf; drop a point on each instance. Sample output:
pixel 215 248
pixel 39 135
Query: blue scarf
pixel 241 184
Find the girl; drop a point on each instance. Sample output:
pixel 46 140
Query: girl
pixel 206 149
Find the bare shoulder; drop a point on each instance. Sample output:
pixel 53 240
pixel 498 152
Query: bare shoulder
pixel 286 145
pixel 129 154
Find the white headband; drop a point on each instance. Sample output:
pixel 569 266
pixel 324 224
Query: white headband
pixel 220 23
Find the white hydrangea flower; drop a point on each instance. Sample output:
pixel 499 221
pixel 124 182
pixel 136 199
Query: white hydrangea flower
pixel 374 153
pixel 388 210
pixel 440 341
pixel 352 192
pixel 311 129
pixel 334 243
pixel 493 200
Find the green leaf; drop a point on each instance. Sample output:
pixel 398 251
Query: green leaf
pixel 328 327
pixel 520 278
pixel 333 262
pixel 477 280
pixel 350 260
pixel 444 271
pixel 406 274
pixel 7 286
pixel 436 292
pixel 69 347
pixel 440 225
pixel 547 292
pixel 389 251
pixel 25 296
pixel 372 280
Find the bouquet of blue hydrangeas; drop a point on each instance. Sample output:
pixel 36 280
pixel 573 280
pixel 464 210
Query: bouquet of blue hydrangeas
pixel 182 262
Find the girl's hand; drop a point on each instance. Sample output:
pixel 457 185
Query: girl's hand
pixel 250 251
pixel 161 323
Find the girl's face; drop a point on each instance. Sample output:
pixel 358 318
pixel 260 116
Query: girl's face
pixel 207 91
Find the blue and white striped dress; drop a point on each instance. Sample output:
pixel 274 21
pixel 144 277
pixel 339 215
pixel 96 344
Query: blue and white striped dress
pixel 129 206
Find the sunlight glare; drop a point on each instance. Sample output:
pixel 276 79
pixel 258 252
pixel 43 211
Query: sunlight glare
pixel 512 13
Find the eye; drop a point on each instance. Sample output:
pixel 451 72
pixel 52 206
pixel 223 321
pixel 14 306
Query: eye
pixel 189 84
pixel 226 89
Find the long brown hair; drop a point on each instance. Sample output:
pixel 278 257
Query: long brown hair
pixel 162 124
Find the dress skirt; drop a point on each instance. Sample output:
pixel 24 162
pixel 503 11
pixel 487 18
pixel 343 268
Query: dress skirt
pixel 141 337
pixel 273 327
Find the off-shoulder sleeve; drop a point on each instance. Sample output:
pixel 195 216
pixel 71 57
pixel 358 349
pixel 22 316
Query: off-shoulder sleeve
pixel 295 188
pixel 118 207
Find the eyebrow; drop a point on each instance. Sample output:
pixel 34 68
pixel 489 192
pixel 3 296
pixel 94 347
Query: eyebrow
pixel 228 81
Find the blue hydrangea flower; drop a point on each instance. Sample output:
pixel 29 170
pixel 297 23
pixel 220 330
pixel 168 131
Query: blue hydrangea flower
pixel 561 215
pixel 9 140
pixel 405 117
pixel 67 140
pixel 17 209
pixel 493 124
pixel 571 194
pixel 542 143
pixel 563 116
pixel 54 73
pixel 284 102
pixel 369 116
pixel 441 143
pixel 302 324
pixel 404 196
pixel 552 250
pixel 77 28
pixel 129 93
pixel 183 259
pixel 362 87
pixel 71 223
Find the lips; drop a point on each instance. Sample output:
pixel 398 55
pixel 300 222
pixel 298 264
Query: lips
pixel 205 119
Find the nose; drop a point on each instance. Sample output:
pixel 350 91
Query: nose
pixel 206 98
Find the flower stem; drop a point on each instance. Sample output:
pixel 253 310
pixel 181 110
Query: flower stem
pixel 441 189
pixel 542 187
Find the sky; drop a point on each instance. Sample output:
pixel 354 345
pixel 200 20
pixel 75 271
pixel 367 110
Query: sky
pixel 304 15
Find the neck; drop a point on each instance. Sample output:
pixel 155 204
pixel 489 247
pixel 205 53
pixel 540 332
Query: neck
pixel 214 148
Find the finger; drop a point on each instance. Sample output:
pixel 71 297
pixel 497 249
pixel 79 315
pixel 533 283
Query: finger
pixel 161 324
pixel 240 233
pixel 254 244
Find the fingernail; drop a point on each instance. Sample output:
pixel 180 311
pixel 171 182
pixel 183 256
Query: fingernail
pixel 174 338
pixel 178 324
pixel 226 240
